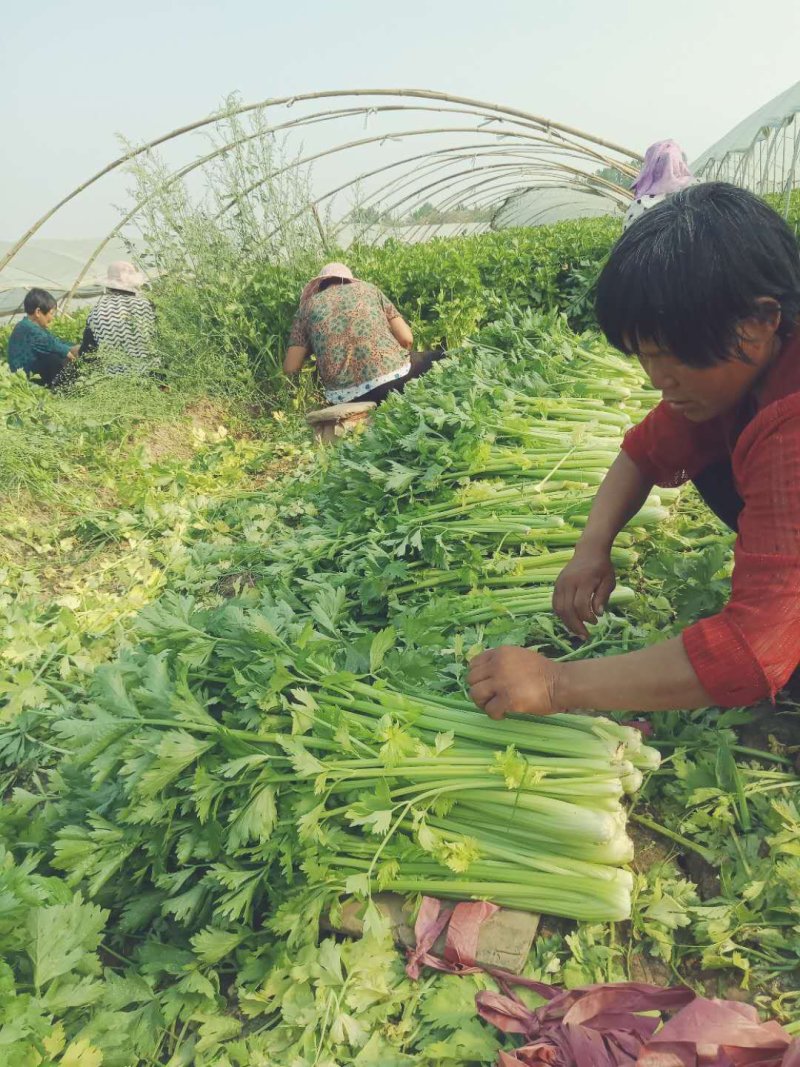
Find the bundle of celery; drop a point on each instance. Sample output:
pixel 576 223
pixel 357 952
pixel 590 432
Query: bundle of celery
pixel 242 749
pixel 524 813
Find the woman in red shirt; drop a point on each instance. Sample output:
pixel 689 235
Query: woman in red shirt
pixel 705 291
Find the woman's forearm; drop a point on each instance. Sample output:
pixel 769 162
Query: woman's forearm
pixel 621 494
pixel 401 332
pixel 658 678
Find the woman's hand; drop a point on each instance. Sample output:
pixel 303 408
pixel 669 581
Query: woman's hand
pixel 583 588
pixel 510 679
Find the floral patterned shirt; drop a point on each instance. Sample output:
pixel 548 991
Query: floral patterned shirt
pixel 347 328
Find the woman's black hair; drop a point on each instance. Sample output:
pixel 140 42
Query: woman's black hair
pixel 38 300
pixel 689 271
pixel 326 283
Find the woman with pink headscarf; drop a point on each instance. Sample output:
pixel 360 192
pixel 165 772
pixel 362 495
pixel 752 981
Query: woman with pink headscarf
pixel 663 172
pixel 362 344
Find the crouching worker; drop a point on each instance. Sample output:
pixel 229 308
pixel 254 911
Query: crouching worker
pixel 123 322
pixel 705 292
pixel 362 344
pixel 31 346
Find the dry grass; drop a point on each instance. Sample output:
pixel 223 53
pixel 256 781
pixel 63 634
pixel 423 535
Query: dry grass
pixel 175 439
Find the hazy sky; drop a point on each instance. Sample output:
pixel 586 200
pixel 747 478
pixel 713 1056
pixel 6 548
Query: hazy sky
pixel 74 76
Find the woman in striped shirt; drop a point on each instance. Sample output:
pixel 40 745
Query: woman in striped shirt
pixel 123 323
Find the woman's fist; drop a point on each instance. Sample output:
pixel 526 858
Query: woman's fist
pixel 511 679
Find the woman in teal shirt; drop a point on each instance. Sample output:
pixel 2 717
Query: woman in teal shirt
pixel 31 346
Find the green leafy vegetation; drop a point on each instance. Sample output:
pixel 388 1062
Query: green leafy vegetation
pixel 234 324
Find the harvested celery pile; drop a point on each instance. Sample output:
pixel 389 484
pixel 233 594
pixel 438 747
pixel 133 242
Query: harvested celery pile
pixel 246 763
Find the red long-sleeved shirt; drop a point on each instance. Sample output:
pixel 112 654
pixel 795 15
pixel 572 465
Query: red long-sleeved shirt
pixel 749 650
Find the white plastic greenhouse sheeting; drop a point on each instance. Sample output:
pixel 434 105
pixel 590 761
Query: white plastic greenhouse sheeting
pixel 755 127
pixel 538 207
pixel 54 265
pixel 415 233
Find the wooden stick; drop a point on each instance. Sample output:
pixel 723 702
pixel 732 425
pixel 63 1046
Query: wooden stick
pixel 548 126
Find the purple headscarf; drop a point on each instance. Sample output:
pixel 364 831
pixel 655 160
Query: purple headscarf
pixel 664 170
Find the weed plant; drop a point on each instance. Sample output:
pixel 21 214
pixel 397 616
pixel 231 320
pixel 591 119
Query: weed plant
pixel 250 221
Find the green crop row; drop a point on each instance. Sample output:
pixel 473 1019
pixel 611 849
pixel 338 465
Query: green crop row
pixel 229 334
pixel 232 330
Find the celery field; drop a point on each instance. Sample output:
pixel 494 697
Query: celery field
pixel 232 693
